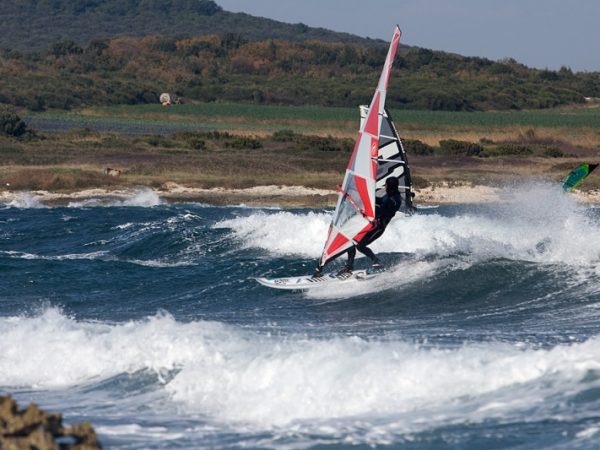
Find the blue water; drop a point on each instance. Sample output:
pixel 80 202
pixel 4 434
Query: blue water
pixel 142 317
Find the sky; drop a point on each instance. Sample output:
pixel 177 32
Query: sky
pixel 538 33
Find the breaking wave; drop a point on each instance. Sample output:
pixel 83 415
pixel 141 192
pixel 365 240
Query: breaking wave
pixel 268 381
pixel 534 222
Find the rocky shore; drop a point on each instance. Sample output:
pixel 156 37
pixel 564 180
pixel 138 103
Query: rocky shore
pixel 31 428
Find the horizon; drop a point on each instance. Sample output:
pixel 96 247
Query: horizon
pixel 559 35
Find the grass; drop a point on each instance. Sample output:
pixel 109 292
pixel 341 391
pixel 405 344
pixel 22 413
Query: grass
pixel 580 125
pixel 250 114
pixel 152 145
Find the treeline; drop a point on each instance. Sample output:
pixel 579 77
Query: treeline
pixel 129 70
pixel 36 24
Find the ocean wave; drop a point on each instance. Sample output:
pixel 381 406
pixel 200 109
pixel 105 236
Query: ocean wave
pixel 145 197
pixel 234 375
pixel 25 200
pixel 535 222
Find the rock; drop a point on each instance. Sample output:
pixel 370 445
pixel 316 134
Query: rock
pixel 33 428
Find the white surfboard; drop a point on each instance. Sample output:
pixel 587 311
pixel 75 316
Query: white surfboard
pixel 308 282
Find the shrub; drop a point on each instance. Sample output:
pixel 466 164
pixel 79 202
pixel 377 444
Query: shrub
pixel 196 144
pixel 244 143
pixel 553 152
pixel 509 149
pixel 285 136
pixel 11 124
pixel 159 141
pixel 65 47
pixel 55 179
pixel 191 140
pixel 324 144
pixel 416 147
pixel 456 148
pixel 419 182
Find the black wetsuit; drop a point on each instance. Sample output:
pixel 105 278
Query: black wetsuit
pixel 390 204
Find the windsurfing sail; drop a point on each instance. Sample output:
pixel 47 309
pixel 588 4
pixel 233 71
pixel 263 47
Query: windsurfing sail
pixel 356 205
pixel 577 175
pixel 391 160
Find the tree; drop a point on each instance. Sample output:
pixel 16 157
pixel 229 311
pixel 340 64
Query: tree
pixel 11 124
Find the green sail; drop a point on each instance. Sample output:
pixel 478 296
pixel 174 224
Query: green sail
pixel 578 175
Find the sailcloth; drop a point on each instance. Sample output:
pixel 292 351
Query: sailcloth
pixel 391 160
pixel 577 176
pixel 356 205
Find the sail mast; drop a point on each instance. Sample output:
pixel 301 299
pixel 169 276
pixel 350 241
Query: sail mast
pixel 356 205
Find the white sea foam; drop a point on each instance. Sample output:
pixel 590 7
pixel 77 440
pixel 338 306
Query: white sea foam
pixel 70 256
pixel 236 376
pixel 25 200
pixel 160 263
pixel 144 197
pixel 282 233
pixel 535 222
pixel 396 276
pixel 141 433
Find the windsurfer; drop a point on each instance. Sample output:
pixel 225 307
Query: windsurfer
pixel 384 213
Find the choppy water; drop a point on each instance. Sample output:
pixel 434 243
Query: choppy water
pixel 141 317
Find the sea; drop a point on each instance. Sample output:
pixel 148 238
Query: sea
pixel 144 318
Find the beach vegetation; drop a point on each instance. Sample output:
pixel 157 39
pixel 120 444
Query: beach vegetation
pixel 453 147
pixel 417 147
pixel 11 124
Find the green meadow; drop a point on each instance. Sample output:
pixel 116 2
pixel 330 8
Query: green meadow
pixel 156 119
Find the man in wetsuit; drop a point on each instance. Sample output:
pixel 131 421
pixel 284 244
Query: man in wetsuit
pixel 384 213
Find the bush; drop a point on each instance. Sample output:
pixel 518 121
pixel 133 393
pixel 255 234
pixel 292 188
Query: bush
pixel 419 182
pixel 457 148
pixel 508 149
pixel 553 152
pixel 56 179
pixel 324 144
pixel 285 136
pixel 214 135
pixel 416 147
pixel 244 143
pixel 196 144
pixel 191 140
pixel 11 124
pixel 159 141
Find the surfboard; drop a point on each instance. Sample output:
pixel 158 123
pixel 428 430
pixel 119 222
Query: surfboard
pixel 308 282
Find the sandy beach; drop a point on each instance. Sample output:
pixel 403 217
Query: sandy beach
pixel 268 196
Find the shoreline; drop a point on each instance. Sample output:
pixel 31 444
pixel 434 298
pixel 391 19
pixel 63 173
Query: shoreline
pixel 260 196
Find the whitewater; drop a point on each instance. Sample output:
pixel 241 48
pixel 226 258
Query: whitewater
pixel 143 317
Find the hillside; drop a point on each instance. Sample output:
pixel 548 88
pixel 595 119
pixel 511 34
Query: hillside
pixel 35 25
pixel 131 70
pixel 73 53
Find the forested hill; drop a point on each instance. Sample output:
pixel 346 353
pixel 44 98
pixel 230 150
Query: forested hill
pixel 228 68
pixel 99 52
pixel 36 24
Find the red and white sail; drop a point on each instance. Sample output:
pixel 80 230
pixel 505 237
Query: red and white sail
pixel 355 210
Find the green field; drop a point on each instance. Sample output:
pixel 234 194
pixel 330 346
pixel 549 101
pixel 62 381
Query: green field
pixel 155 119
pixel 564 117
